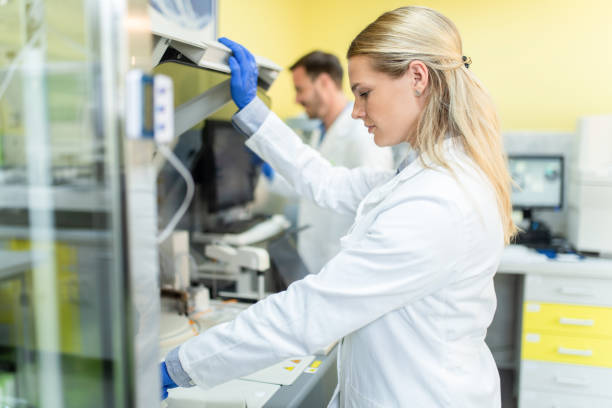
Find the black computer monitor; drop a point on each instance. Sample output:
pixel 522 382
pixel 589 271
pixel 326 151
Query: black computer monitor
pixel 539 182
pixel 224 167
pixel 538 186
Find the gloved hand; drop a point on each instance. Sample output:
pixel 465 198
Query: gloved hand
pixel 244 73
pixel 266 169
pixel 167 382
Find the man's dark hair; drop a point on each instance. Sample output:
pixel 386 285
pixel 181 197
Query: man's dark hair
pixel 317 62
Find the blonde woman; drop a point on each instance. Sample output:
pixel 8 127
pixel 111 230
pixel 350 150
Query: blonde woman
pixel 410 295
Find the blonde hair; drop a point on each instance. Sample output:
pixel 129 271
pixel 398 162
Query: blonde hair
pixel 458 104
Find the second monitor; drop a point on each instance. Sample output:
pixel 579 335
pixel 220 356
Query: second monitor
pixel 538 186
pixel 539 182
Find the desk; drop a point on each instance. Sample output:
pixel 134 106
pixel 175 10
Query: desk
pixel 553 329
pixel 521 260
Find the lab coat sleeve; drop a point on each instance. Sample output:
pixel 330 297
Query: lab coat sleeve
pixel 312 176
pixel 408 253
pixel 279 185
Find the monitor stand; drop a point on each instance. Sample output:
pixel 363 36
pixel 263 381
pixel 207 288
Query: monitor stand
pixel 537 234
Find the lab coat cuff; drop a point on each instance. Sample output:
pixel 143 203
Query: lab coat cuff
pixel 175 370
pixel 250 118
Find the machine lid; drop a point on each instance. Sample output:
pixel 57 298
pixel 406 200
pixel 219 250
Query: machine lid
pixel 173 43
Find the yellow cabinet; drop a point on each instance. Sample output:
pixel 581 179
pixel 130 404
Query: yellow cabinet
pixel 571 320
pixel 565 349
pixel 566 336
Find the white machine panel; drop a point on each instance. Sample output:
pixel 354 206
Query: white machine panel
pixel 232 394
pixel 590 189
pixel 283 373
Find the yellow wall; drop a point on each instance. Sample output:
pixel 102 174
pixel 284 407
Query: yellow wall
pixel 274 29
pixel 546 62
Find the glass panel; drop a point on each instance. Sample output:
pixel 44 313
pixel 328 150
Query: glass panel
pixel 63 340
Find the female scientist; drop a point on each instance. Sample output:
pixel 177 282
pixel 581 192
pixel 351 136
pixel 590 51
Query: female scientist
pixel 410 295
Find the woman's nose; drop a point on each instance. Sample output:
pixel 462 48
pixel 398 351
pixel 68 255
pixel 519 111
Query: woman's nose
pixel 357 112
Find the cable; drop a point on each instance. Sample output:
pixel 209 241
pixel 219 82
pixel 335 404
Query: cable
pixel 174 161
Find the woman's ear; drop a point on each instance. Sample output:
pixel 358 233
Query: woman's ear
pixel 419 76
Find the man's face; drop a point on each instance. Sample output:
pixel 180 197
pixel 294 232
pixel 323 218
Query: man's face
pixel 307 93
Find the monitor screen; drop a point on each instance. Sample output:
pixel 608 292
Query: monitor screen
pixel 224 168
pixel 539 181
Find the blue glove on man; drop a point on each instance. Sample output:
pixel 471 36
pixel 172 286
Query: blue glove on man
pixel 243 83
pixel 266 169
pixel 167 382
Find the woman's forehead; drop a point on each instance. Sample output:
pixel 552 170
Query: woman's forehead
pixel 360 62
pixel 359 66
pixel 361 70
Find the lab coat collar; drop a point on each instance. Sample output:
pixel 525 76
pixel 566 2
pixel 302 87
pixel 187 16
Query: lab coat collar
pixel 341 120
pixel 414 165
pixel 412 156
pixel 321 138
pixel 414 161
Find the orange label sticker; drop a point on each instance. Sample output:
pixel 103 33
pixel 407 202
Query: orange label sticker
pixel 296 361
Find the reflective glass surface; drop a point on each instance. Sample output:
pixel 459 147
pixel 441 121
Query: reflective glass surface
pixel 62 293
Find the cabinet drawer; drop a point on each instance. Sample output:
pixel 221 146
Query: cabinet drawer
pixel 580 291
pixel 589 351
pixel 572 320
pixel 537 399
pixel 566 378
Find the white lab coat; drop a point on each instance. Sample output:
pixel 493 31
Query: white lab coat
pixel 411 292
pixel 346 143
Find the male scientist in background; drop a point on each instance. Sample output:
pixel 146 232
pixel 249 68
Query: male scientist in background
pixel 344 141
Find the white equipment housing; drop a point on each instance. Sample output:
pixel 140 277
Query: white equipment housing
pixel 590 187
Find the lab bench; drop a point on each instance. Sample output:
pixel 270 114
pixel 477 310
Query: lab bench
pixel 552 331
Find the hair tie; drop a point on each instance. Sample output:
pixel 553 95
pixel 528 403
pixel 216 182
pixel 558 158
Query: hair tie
pixel 467 61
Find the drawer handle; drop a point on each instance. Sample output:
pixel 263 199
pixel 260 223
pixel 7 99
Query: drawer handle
pixel 579 382
pixel 575 291
pixel 575 352
pixel 576 322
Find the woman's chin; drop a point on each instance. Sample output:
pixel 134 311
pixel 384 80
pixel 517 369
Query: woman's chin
pixel 380 141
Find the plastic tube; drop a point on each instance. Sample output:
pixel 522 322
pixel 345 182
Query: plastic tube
pixel 174 161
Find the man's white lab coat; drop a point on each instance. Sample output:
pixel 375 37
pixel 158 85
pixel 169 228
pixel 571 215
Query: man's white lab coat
pixel 410 293
pixel 346 143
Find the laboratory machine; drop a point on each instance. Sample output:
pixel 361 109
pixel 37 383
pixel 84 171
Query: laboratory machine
pixel 590 187
pixel 220 248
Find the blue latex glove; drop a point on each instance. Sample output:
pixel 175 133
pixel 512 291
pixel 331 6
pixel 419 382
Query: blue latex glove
pixel 255 159
pixel 244 73
pixel 267 171
pixel 167 382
